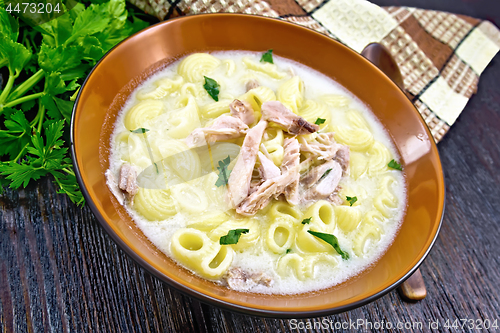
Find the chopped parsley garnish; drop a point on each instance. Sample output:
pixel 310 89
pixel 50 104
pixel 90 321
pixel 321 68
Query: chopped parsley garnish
pixel 351 200
pixel 140 130
pixel 267 56
pixel 395 165
pixel 288 251
pixel 223 172
pixel 232 237
pixel 325 174
pixel 320 121
pixel 332 240
pixel 212 88
pixel 307 221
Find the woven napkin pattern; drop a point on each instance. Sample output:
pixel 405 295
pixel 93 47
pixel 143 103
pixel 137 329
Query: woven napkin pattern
pixel 441 55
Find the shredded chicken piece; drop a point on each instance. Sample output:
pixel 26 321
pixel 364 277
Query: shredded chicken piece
pixel 260 197
pixel 343 158
pixel 334 198
pixel 326 138
pixel 254 185
pixel 128 181
pixel 242 110
pixel 267 168
pixel 310 178
pixel 272 187
pixel 325 148
pixel 252 84
pixel 264 149
pixel 326 185
pixel 223 128
pixel 306 164
pixel 262 278
pixel 277 113
pixel 241 175
pixel 291 163
pixel 238 279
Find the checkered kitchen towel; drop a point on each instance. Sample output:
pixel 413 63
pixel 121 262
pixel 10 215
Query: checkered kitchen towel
pixel 441 55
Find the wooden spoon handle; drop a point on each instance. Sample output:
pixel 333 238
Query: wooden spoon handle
pixel 414 287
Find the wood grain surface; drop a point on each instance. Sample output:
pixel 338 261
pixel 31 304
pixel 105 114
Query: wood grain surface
pixel 60 272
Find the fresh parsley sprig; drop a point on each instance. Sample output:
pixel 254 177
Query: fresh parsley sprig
pixel 267 57
pixel 232 237
pixel 351 200
pixel 395 165
pixel 223 172
pixel 46 65
pixel 140 130
pixel 320 121
pixel 212 88
pixel 43 156
pixel 332 240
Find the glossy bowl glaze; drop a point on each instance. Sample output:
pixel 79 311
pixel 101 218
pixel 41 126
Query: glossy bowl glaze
pixel 124 67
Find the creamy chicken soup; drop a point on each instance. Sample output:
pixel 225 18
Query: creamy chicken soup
pixel 263 177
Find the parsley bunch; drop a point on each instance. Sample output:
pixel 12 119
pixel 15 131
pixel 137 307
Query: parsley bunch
pixel 43 68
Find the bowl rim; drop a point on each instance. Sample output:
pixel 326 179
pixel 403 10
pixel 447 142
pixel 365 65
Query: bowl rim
pixel 204 297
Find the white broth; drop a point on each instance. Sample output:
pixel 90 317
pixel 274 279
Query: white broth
pixel 179 196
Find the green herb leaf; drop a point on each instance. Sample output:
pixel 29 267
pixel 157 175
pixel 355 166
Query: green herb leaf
pixel 91 47
pixel 56 32
pixel 332 240
pixel 8 25
pixel 45 157
pixel 26 106
pixel 118 27
pixel 75 72
pixel 54 84
pixel 92 20
pixel 16 136
pixel 65 108
pixel 20 174
pixel 232 237
pixel 351 200
pixel 17 55
pixel 51 109
pixel 212 88
pixel 267 56
pixel 325 174
pixel 140 130
pixel 68 185
pixel 320 121
pixel 73 13
pixel 223 172
pixel 59 58
pixel 288 251
pixel 395 165
pixel 307 221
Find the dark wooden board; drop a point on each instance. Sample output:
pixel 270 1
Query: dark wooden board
pixel 60 272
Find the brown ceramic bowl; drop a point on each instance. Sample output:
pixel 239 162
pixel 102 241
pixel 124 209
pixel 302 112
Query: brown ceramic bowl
pixel 119 71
